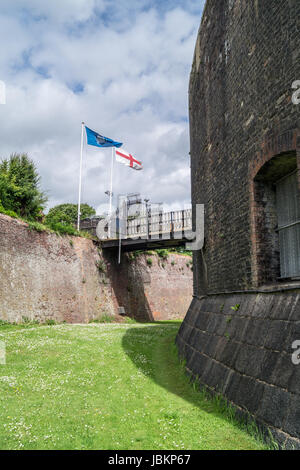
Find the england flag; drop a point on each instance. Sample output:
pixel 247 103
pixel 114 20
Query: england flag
pixel 127 159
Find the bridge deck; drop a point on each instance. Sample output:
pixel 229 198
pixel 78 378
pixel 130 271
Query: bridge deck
pixel 151 230
pixel 133 244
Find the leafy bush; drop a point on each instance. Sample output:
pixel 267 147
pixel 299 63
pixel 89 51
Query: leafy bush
pixel 104 318
pixel 149 261
pixel 19 187
pixel 181 250
pixel 61 228
pixel 163 253
pixel 37 226
pixel 7 212
pixel 5 322
pixel 66 214
pixel 25 319
pixel 129 320
pixel 235 307
pixel 101 266
pixel 84 234
pixel 21 197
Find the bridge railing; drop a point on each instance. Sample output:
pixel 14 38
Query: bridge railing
pixel 165 224
pixel 160 223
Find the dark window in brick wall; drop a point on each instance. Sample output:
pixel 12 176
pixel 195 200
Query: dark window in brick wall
pixel 277 212
pixel 288 214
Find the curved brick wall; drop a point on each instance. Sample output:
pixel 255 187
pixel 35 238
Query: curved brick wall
pixel 247 355
pixel 241 115
pixel 244 136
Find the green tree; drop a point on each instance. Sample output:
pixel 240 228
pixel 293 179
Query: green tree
pixel 66 214
pixel 20 187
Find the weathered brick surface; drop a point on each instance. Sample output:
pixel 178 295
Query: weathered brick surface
pixel 244 136
pixel 162 291
pixel 241 115
pixel 43 276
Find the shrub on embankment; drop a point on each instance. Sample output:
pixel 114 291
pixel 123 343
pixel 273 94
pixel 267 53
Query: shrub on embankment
pixel 22 198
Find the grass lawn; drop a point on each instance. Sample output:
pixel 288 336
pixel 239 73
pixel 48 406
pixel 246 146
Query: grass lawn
pixel 105 386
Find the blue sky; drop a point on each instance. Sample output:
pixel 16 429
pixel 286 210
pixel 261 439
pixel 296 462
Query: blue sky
pixel 122 67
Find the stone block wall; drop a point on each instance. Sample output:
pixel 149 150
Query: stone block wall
pixel 245 137
pixel 241 346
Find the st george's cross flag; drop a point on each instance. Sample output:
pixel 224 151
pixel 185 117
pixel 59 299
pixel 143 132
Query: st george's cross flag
pixel 98 140
pixel 127 159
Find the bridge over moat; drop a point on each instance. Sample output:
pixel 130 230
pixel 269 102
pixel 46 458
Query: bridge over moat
pixel 147 231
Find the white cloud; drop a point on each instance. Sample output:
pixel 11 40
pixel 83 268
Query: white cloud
pixel 67 61
pixel 58 11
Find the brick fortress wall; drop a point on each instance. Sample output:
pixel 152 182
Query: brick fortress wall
pixel 160 290
pixel 47 277
pixel 238 333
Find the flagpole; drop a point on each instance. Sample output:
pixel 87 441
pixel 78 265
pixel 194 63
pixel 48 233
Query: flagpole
pixel 121 217
pixel 80 177
pixel 111 179
pixel 111 187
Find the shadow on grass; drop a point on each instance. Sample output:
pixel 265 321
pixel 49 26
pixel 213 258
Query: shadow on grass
pixel 164 367
pixel 167 371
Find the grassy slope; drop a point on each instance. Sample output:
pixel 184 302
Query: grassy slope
pixel 104 387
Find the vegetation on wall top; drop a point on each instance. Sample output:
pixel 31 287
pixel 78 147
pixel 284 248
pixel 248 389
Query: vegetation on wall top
pixel 66 214
pixel 22 198
pixel 20 191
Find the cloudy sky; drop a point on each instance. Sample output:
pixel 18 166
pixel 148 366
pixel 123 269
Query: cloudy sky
pixel 122 66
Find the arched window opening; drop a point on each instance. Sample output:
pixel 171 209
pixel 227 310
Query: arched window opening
pixel 277 220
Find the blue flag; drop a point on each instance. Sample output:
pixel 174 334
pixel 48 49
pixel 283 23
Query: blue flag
pixel 93 138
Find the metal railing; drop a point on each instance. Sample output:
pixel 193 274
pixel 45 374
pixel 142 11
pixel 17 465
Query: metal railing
pixel 154 225
pixel 159 224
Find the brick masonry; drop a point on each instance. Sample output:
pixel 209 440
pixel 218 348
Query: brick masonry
pixel 241 116
pixel 44 276
pixel 160 291
pixel 245 135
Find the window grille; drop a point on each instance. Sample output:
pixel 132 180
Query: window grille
pixel 288 213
